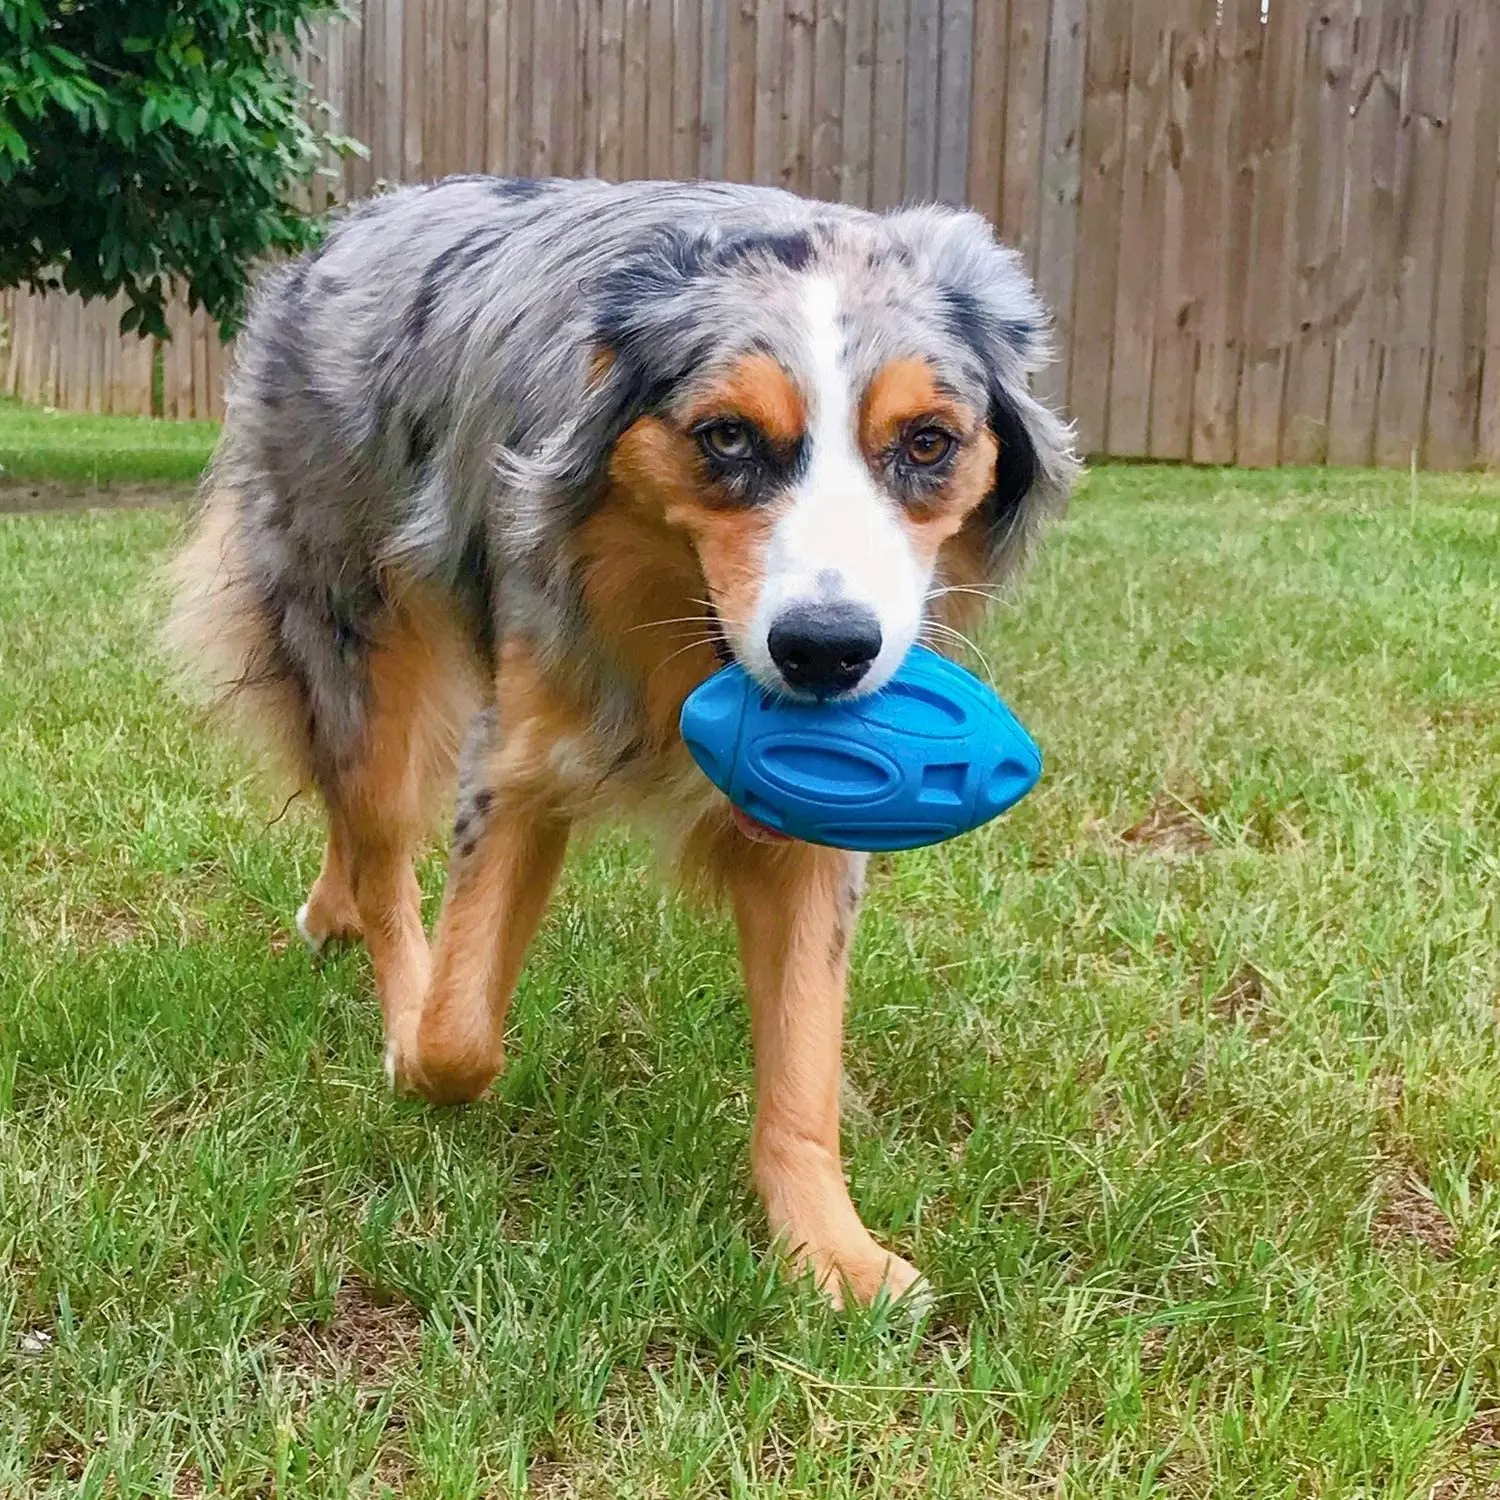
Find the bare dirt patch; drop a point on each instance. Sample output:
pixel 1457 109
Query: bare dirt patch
pixel 1243 998
pixel 368 1337
pixel 1408 1213
pixel 20 496
pixel 1475 1474
pixel 1172 826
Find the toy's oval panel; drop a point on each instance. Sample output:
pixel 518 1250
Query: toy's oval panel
pixel 924 709
pixel 831 769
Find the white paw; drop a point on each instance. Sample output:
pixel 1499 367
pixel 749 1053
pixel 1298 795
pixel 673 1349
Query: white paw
pixel 390 1065
pixel 314 944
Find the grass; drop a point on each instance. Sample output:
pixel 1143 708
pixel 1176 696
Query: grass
pixel 1181 1081
pixel 41 445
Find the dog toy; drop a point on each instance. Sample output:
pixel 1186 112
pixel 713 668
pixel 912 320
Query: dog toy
pixel 932 754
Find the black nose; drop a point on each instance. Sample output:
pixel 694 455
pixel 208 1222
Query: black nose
pixel 824 648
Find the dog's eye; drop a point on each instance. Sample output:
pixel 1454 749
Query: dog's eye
pixel 928 446
pixel 728 439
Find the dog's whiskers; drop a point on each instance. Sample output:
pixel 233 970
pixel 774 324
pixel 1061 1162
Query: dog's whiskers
pixel 674 620
pixel 947 632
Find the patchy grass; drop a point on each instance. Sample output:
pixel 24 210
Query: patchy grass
pixel 38 445
pixel 1180 1081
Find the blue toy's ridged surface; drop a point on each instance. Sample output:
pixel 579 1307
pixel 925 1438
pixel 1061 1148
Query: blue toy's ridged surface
pixel 933 754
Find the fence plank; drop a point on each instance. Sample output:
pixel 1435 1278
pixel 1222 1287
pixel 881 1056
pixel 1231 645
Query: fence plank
pixel 987 107
pixel 1489 392
pixel 1224 215
pixel 657 101
pixel 1141 196
pixel 1268 304
pixel 923 43
pixel 714 70
pixel 1464 255
pixel 413 70
pixel 1422 149
pixel 518 86
pixel 538 149
pixel 1062 147
pixel 955 99
pixel 1366 267
pixel 1174 338
pixel 828 99
pixel 857 136
pixel 770 48
pixel 1327 65
pixel 386 119
pixel 686 84
pixel 888 134
pixel 612 89
pixel 1099 219
pixel 797 101
pixel 1026 66
pixel 739 92
pixel 634 120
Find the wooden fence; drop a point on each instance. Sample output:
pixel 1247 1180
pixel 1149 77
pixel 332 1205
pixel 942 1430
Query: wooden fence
pixel 1269 229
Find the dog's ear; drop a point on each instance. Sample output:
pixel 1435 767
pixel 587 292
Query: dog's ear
pixel 989 305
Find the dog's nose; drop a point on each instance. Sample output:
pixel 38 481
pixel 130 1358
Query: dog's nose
pixel 824 648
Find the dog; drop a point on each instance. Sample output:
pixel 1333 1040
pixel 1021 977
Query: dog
pixel 508 468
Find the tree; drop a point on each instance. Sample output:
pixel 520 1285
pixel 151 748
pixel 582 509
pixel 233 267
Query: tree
pixel 149 141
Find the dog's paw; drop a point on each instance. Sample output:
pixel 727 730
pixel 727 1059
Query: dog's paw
pixel 866 1274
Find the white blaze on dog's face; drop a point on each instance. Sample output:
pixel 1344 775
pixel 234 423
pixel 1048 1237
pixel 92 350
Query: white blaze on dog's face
pixel 842 588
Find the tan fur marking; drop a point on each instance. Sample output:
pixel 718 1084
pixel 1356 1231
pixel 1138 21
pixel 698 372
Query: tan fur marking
pixel 758 390
pixel 902 392
pixel 647 552
pixel 903 395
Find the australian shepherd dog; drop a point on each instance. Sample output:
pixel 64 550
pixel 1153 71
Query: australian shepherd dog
pixel 509 468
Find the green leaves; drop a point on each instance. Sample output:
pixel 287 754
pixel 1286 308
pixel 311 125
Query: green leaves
pixel 153 141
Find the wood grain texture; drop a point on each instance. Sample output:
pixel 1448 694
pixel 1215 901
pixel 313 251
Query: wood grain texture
pixel 715 66
pixel 1273 249
pixel 1142 192
pixel 687 102
pixel 1174 339
pixel 660 66
pixel 796 125
pixel 1105 75
pixel 828 100
pixel 740 91
pixel 987 105
pixel 1327 72
pixel 1061 182
pixel 1422 149
pixel 1366 270
pixel 858 121
pixel 888 138
pixel 633 94
pixel 770 85
pixel 1026 65
pixel 1458 335
pixel 612 89
pixel 923 43
pixel 955 99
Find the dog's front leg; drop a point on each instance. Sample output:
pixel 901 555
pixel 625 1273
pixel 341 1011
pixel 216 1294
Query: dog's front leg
pixel 796 906
pixel 508 848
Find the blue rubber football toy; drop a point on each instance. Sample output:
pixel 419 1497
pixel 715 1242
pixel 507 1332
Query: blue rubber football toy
pixel 931 755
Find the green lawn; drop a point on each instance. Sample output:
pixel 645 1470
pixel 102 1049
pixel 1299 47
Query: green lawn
pixel 1182 1082
pixel 42 445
